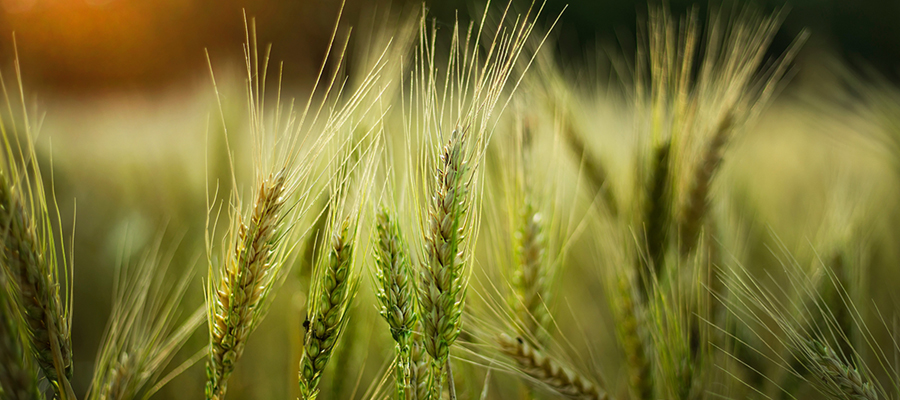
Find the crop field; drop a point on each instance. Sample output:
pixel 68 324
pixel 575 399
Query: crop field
pixel 444 205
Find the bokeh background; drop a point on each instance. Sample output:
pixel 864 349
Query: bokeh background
pixel 126 99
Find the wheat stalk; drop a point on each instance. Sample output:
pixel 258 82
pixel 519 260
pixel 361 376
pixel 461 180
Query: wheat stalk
pixel 327 317
pixel 395 292
pixel 242 288
pixel 544 369
pixel 630 326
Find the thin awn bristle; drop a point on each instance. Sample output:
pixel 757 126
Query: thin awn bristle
pixel 395 291
pixel 18 380
pixel 327 317
pixel 443 279
pixel 36 289
pixel 242 287
pixel 143 333
pixel 546 370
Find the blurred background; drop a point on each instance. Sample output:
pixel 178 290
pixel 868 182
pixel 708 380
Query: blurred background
pixel 125 97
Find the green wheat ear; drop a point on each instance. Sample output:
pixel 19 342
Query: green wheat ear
pixel 18 376
pixel 29 255
pixel 395 292
pixel 335 289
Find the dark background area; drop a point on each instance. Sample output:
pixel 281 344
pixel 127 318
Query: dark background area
pixel 87 46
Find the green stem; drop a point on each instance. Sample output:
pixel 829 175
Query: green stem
pixel 450 385
pixel 437 376
pixel 403 361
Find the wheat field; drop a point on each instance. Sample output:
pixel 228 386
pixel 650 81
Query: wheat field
pixel 449 209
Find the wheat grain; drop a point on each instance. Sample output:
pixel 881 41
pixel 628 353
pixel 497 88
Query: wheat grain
pixel 142 335
pixel 630 325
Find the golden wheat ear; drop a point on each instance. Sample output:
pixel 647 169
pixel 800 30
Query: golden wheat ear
pixel 29 256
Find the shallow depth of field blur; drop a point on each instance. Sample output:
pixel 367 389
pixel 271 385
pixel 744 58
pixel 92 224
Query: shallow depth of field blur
pixel 131 130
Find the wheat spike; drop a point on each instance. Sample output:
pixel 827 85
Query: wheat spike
pixel 395 291
pixel 835 377
pixel 327 317
pixel 419 377
pixel 18 379
pixel 546 370
pixel 698 198
pixel 529 280
pixel 657 215
pixel 242 288
pixel 36 288
pixel 443 280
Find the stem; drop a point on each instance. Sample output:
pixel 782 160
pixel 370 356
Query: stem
pixel 403 361
pixel 437 375
pixel 450 385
